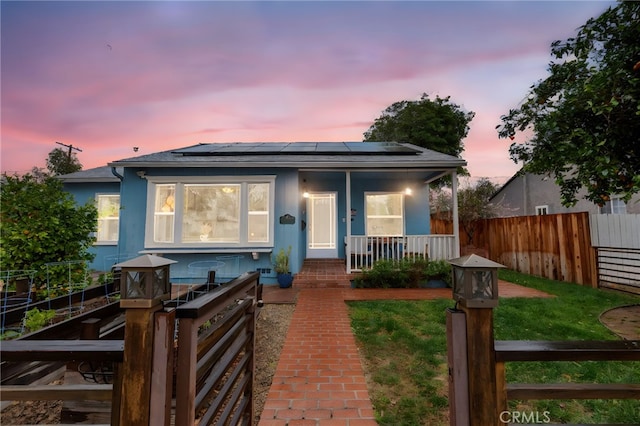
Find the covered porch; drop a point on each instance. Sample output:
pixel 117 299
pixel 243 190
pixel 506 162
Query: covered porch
pixel 362 216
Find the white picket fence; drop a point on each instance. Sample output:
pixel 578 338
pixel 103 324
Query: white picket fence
pixel 617 241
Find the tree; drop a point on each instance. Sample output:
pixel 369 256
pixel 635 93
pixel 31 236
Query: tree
pixel 41 223
pixel 436 124
pixel 62 163
pixel 473 204
pixel 585 116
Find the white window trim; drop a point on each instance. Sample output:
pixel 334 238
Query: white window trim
pixel 609 204
pixel 107 242
pixel 179 182
pixel 366 214
pixel 540 208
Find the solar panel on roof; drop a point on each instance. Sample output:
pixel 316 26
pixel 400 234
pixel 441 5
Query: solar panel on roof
pixel 302 148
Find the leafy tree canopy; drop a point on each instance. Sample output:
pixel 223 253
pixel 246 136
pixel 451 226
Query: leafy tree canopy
pixel 473 204
pixel 41 223
pixel 436 124
pixel 61 162
pixel 585 116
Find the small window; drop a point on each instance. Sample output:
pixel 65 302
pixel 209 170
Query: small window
pixel 615 205
pixel 542 210
pixel 385 215
pixel 108 206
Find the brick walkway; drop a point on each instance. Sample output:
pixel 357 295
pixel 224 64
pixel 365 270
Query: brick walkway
pixel 319 380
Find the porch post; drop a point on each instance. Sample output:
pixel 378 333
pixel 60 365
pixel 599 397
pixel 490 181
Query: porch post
pixel 456 225
pixel 347 249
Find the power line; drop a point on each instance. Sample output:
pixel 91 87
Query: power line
pixel 71 147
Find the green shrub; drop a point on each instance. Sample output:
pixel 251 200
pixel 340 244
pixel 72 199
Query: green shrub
pixel 41 223
pixel 35 319
pixel 403 273
pixel 439 270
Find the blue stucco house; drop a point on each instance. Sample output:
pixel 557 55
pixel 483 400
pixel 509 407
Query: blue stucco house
pixel 237 204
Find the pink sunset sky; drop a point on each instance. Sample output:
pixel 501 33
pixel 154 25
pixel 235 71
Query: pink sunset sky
pixel 109 76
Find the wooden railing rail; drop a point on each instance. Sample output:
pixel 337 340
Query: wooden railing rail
pixel 526 351
pixel 215 357
pixel 60 351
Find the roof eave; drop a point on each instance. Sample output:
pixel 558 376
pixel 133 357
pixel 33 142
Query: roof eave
pixel 296 165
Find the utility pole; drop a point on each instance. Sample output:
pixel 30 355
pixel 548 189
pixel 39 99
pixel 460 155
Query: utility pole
pixel 71 147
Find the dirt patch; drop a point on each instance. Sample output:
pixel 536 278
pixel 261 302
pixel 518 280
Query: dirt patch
pixel 624 321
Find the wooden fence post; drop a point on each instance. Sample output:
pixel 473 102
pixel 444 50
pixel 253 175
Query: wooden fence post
pixel 137 366
pixel 483 400
pixel 458 368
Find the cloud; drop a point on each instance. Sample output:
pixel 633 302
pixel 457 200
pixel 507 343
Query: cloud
pixel 161 74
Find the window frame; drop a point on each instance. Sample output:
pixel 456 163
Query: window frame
pixel 609 207
pixel 402 213
pixel 99 242
pixel 180 182
pixel 542 210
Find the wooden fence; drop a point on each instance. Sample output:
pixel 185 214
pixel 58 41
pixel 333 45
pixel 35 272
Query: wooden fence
pixel 554 246
pixel 215 365
pixel 213 372
pixel 478 389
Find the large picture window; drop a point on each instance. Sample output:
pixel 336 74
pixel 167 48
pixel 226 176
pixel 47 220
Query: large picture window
pixel 385 214
pixel 211 212
pixel 108 206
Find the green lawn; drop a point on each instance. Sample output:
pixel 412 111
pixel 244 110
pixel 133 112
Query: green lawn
pixel 404 346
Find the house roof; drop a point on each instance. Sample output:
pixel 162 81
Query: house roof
pixel 98 174
pixel 300 155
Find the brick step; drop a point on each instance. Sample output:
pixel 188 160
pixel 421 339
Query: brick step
pixel 323 273
pixel 307 280
pixel 317 283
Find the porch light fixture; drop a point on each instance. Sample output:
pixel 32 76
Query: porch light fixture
pixel 475 281
pixel 408 191
pixel 305 193
pixel 144 281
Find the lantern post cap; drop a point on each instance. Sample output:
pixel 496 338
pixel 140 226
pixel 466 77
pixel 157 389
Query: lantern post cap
pixel 146 261
pixel 475 261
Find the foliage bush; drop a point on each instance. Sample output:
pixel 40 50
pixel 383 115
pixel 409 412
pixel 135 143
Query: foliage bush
pixel 35 319
pixel 404 273
pixel 281 261
pixel 41 223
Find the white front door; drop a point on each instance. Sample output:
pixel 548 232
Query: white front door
pixel 322 229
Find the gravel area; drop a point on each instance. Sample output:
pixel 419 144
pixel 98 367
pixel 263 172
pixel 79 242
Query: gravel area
pixel 271 330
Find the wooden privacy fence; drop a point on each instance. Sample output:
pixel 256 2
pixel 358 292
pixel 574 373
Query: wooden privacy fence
pixel 592 250
pixel 556 246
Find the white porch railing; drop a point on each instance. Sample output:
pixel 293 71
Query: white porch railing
pixel 365 251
